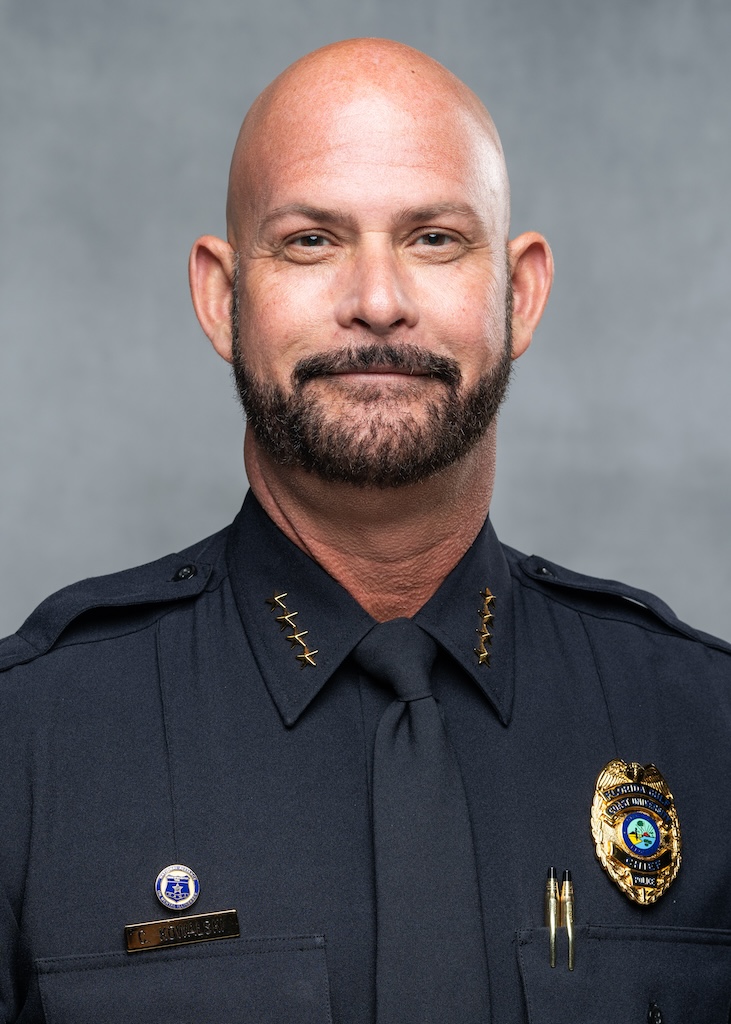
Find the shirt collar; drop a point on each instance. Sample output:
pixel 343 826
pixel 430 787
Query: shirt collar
pixel 272 578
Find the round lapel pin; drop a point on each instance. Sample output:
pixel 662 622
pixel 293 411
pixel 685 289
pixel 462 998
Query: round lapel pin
pixel 636 829
pixel 177 887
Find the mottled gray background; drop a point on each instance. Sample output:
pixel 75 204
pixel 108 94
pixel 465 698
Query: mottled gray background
pixel 119 436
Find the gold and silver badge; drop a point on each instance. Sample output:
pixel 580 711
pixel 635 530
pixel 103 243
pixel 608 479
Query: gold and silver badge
pixel 636 829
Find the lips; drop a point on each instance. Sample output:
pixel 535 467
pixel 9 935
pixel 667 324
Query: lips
pixel 402 360
pixel 384 370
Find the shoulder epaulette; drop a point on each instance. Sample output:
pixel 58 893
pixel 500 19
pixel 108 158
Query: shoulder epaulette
pixel 154 585
pixel 625 600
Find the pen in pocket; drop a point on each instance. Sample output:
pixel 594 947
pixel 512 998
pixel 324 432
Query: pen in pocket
pixel 551 913
pixel 567 913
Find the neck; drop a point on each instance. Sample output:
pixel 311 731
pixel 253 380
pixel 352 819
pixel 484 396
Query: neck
pixel 390 548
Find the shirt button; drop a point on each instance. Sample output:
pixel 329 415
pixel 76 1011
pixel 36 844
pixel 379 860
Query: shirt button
pixel 184 573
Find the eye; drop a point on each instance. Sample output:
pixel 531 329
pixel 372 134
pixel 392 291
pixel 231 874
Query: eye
pixel 435 238
pixel 310 241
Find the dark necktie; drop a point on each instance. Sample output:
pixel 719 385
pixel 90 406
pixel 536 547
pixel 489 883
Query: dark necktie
pixel 430 963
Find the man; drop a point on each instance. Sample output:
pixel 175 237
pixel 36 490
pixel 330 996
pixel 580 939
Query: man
pixel 353 718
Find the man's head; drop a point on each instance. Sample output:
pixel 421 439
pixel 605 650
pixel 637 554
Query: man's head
pixel 368 267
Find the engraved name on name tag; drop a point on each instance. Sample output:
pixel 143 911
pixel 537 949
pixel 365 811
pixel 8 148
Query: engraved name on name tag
pixel 179 931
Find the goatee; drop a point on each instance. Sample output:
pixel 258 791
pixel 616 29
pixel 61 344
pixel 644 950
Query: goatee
pixel 298 428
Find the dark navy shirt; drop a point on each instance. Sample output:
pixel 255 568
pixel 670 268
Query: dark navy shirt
pixel 171 714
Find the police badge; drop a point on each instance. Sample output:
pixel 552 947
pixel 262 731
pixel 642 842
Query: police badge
pixel 636 830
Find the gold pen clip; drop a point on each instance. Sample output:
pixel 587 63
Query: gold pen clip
pixel 551 913
pixel 567 913
pixel 559 913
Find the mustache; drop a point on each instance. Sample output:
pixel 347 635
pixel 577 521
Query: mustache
pixel 406 358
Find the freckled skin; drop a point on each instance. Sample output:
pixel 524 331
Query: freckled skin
pixel 368 202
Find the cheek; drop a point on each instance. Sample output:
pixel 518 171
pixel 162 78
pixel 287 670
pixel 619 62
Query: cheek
pixel 471 321
pixel 280 324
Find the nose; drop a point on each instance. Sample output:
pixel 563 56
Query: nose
pixel 376 291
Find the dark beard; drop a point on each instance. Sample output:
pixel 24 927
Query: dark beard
pixel 296 429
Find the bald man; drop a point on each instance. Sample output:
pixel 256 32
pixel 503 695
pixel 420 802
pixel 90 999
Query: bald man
pixel 351 759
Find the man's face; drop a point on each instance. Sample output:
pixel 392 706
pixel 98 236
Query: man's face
pixel 371 313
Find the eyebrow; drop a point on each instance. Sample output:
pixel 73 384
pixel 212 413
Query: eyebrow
pixel 315 213
pixel 424 214
pixel 407 215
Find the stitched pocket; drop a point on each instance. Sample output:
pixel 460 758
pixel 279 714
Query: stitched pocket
pixel 262 980
pixel 621 971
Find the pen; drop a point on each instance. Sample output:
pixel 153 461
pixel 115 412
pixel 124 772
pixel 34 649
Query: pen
pixel 567 913
pixel 551 910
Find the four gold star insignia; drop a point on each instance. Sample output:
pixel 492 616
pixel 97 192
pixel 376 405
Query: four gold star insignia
pixel 486 617
pixel 285 620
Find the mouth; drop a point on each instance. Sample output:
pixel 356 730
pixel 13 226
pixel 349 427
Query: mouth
pixel 379 362
pixel 383 370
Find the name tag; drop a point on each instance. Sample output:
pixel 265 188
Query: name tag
pixel 178 931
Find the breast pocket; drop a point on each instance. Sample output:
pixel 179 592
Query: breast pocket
pixel 621 972
pixel 263 981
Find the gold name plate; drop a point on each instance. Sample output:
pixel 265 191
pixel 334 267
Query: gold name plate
pixel 178 931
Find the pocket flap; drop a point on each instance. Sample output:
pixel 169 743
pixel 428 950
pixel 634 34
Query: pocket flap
pixel 266 980
pixel 619 972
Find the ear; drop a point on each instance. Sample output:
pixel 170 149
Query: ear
pixel 531 271
pixel 211 273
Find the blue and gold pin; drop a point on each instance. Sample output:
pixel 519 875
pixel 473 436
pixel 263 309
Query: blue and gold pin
pixel 177 887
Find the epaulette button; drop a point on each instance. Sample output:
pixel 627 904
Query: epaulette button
pixel 184 573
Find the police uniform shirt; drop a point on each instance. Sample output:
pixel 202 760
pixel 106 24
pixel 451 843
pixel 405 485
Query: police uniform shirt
pixel 205 710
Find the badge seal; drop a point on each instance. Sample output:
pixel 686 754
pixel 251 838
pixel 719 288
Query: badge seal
pixel 636 829
pixel 177 887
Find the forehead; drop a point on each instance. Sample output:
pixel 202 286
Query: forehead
pixel 368 151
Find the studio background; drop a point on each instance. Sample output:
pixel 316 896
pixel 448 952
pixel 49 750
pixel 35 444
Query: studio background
pixel 120 438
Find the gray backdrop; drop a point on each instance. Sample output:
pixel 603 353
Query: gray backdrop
pixel 119 436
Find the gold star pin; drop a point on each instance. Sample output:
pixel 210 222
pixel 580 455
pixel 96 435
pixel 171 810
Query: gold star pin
pixel 276 601
pixel 286 619
pixel 296 637
pixel 483 656
pixel 307 657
